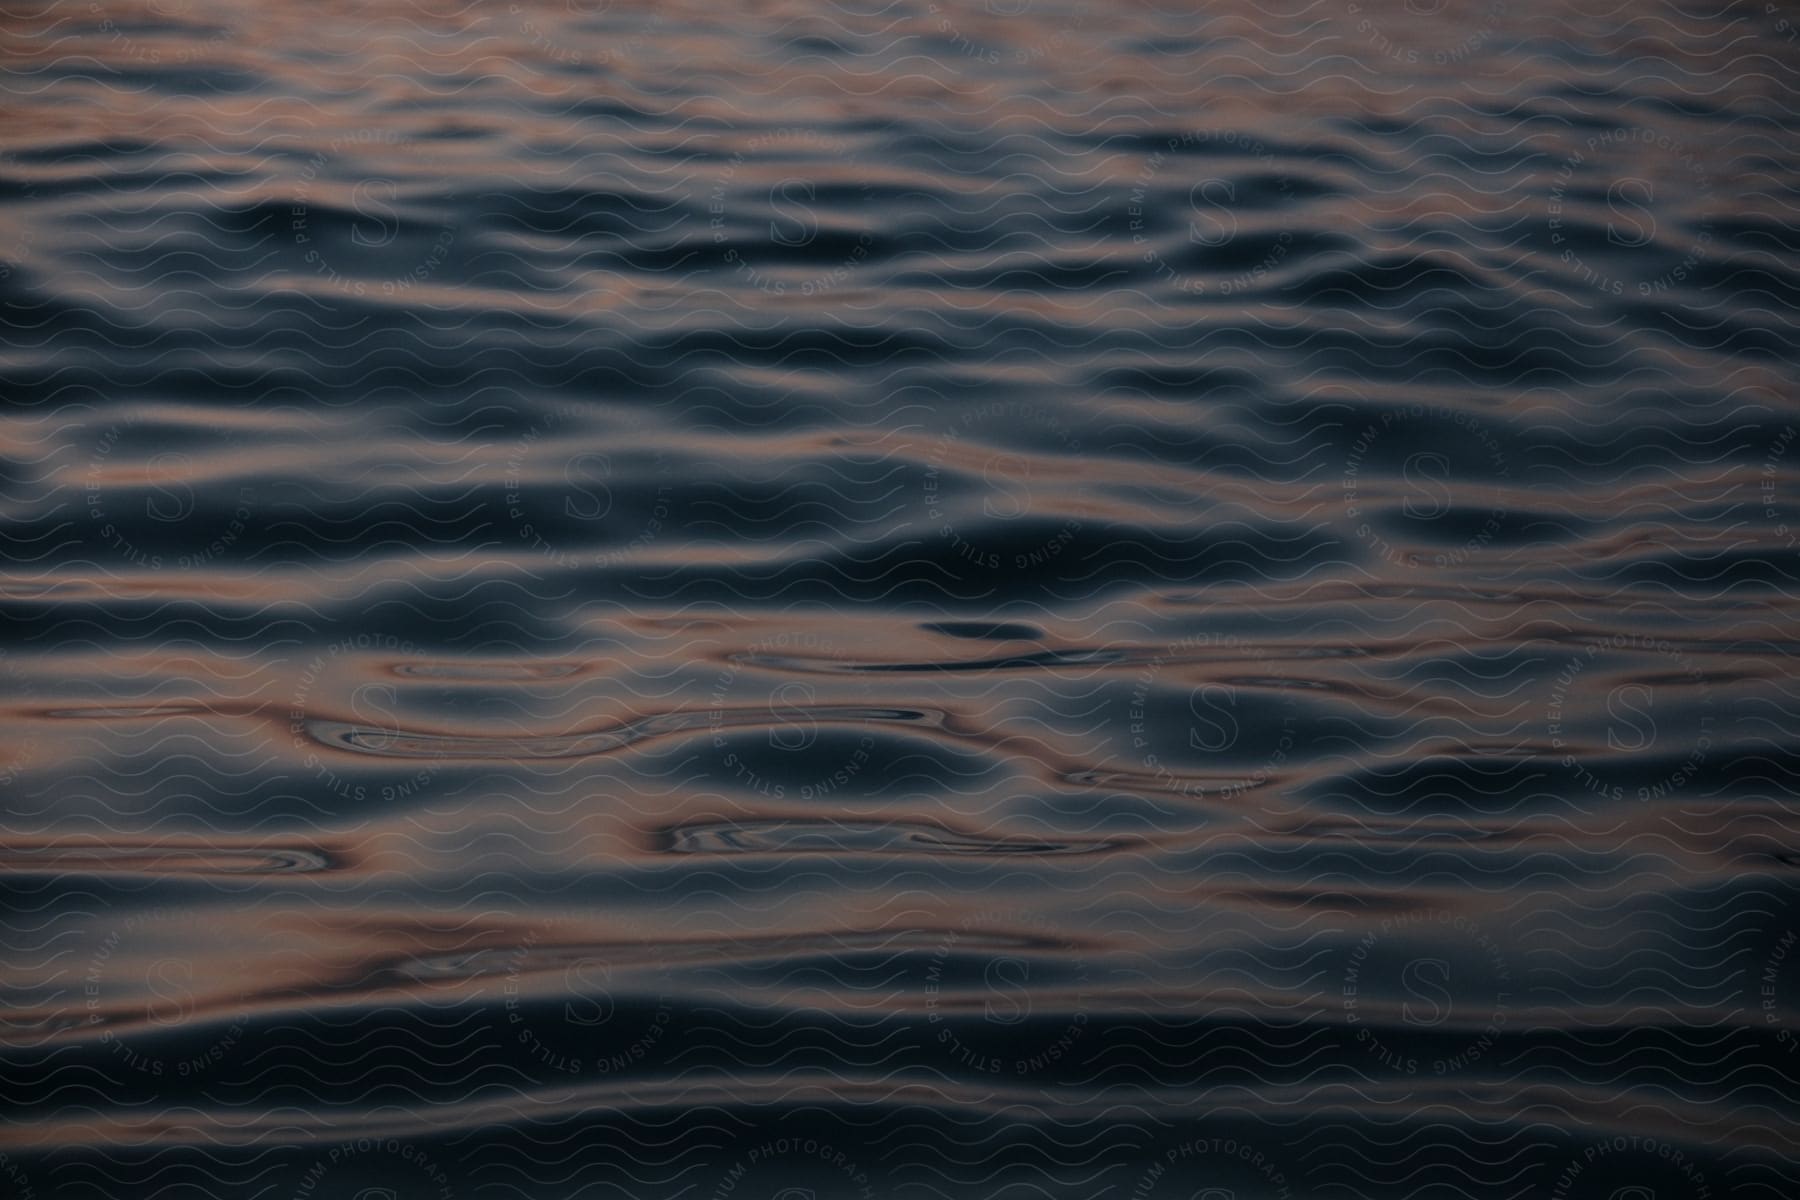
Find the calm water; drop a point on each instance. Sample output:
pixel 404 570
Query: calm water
pixel 1009 599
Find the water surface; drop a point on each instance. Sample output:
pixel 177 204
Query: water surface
pixel 1036 598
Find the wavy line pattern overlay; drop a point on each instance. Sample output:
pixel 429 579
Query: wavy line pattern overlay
pixel 921 599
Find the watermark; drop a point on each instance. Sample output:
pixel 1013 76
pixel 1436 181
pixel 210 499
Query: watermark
pixel 975 445
pixel 1778 988
pixel 993 1025
pixel 1775 509
pixel 560 31
pixel 157 993
pixel 804 1168
pixel 19 252
pixel 773 256
pixel 1008 18
pixel 186 49
pixel 1464 973
pixel 1614 1168
pixel 585 1028
pixel 1206 215
pixel 583 495
pixel 1213 1169
pixel 169 502
pixel 782 724
pixel 1782 25
pixel 22 740
pixel 1627 716
pixel 368 228
pixel 1440 483
pixel 389 1169
pixel 369 709
pixel 1641 173
pixel 1217 720
pixel 15 1184
pixel 1472 25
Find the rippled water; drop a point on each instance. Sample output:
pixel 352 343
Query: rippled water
pixel 989 598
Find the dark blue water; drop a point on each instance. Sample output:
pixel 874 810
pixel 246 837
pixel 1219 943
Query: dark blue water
pixel 1012 599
